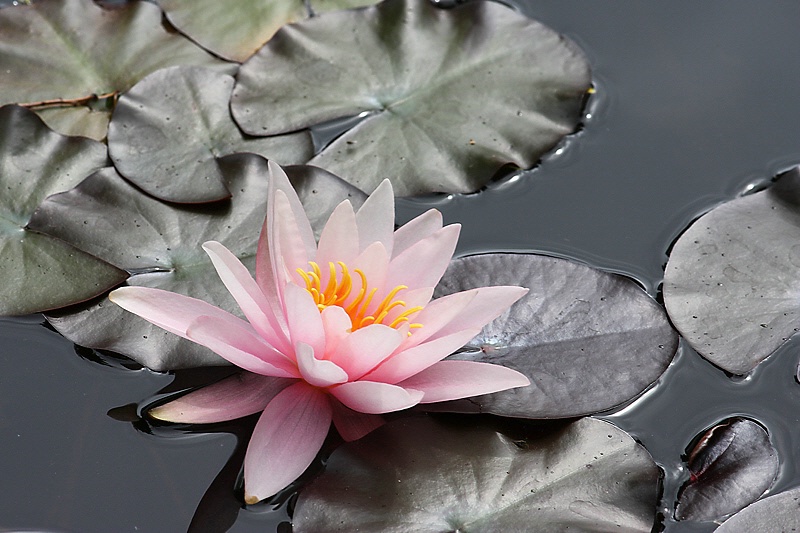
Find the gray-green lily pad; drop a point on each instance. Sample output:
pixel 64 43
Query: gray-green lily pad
pixel 40 272
pixel 77 120
pixel 169 131
pixel 779 513
pixel 423 476
pixel 236 29
pixel 449 96
pixel 731 465
pixel 48 52
pixel 732 283
pixel 588 340
pixel 160 244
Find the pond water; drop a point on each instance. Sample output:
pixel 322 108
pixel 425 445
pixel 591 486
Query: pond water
pixel 695 104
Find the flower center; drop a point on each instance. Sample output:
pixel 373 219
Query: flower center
pixel 339 288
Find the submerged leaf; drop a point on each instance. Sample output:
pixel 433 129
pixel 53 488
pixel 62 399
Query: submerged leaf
pixel 79 120
pixel 160 244
pixel 732 283
pixel 423 476
pixel 235 29
pixel 777 514
pixel 588 340
pixel 732 464
pixel 48 52
pixel 40 272
pixel 170 130
pixel 450 96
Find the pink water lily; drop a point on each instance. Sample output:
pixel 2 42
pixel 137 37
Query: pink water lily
pixel 338 331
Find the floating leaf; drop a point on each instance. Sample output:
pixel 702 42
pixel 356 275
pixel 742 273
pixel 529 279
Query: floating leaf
pixel 451 95
pixel 732 283
pixel 48 53
pixel 236 29
pixel 40 272
pixel 777 514
pixel 77 120
pixel 419 475
pixel 588 340
pixel 161 245
pixel 169 131
pixel 731 465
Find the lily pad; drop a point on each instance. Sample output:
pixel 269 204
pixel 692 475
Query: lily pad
pixel 731 465
pixel 732 283
pixel 160 244
pixel 777 514
pixel 236 29
pixel 47 52
pixel 588 340
pixel 40 272
pixel 169 131
pixel 77 120
pixel 449 96
pixel 423 476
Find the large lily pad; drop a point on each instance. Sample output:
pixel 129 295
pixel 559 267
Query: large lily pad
pixel 169 131
pixel 588 340
pixel 777 514
pixel 48 52
pixel 40 272
pixel 160 244
pixel 452 95
pixel 732 283
pixel 731 465
pixel 419 475
pixel 236 29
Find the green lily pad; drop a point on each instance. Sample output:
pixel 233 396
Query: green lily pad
pixel 779 513
pixel 732 283
pixel 77 120
pixel 236 29
pixel 40 272
pixel 169 131
pixel 71 49
pixel 449 96
pixel 588 340
pixel 160 244
pixel 422 476
pixel 731 465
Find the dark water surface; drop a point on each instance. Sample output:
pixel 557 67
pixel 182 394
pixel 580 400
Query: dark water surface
pixel 695 102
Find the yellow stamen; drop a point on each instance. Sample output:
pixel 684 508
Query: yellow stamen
pixel 338 290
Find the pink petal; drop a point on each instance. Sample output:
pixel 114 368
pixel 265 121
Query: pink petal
pixel 353 425
pixel 415 230
pixel 413 298
pixel 363 349
pixel 247 294
pixel 168 310
pixel 405 364
pixel 319 373
pixel 376 218
pixel 337 325
pixel 438 314
pixel 424 263
pixel 303 317
pixel 278 181
pixel 339 239
pixel 288 247
pixel 374 263
pixel 488 304
pixel 236 396
pixel 286 439
pixel 451 380
pixel 242 346
pixel 375 398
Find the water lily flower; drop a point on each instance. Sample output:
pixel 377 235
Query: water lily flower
pixel 338 331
